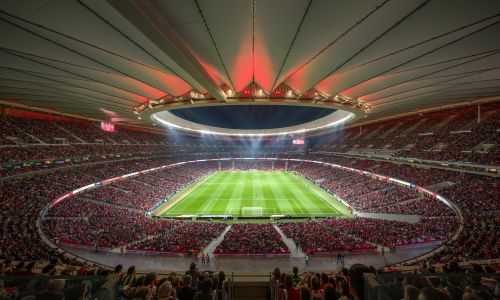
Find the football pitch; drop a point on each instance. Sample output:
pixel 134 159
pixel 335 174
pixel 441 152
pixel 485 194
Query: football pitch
pixel 253 194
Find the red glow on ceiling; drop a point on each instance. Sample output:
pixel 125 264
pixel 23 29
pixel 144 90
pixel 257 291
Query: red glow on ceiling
pixel 300 81
pixel 154 83
pixel 137 90
pixel 264 70
pixel 241 71
pixel 212 71
pixel 369 90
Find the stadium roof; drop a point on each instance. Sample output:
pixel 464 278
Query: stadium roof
pixel 104 59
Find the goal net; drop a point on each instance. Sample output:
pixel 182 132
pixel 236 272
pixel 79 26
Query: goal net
pixel 252 211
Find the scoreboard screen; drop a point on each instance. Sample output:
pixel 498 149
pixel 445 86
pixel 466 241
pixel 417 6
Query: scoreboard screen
pixel 110 127
pixel 298 142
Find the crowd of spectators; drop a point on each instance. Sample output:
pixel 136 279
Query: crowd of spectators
pixel 80 221
pixel 193 285
pixel 475 193
pixel 350 234
pixel 58 280
pixel 181 237
pixel 46 152
pixel 347 284
pixel 250 238
pixel 21 201
pixel 364 193
pixel 425 206
pixel 39 128
pixel 251 165
pixel 480 239
pixel 394 233
pixel 145 191
pixel 91 222
pixel 323 236
pixel 445 135
pixel 104 226
pixel 449 283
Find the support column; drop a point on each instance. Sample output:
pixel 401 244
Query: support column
pixel 219 165
pixel 286 165
pixel 232 163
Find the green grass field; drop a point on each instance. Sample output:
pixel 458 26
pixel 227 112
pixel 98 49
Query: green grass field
pixel 253 193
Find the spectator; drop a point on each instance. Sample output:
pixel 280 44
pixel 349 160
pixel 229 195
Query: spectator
pixel 165 291
pixel 194 273
pixel 186 292
pixel 205 292
pixel 316 292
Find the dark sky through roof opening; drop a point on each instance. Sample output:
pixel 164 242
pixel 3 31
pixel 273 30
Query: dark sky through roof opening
pixel 252 116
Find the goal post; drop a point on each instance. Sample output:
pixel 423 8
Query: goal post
pixel 252 211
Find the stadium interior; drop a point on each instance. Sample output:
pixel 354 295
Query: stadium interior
pixel 249 149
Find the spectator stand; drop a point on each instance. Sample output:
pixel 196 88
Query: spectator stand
pixel 137 173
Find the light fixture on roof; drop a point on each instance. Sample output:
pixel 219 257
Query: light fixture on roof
pixel 171 121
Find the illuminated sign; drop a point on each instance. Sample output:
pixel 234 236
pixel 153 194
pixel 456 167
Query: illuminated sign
pixel 110 127
pixel 298 142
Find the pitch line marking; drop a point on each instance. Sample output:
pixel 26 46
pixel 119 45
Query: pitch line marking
pixel 295 198
pixel 321 198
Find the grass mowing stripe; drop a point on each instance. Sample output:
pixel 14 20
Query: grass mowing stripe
pixel 198 196
pixel 275 193
pixel 290 186
pixel 237 195
pixel 179 198
pixel 291 205
pixel 212 199
pixel 315 204
pixel 247 192
pixel 281 192
pixel 329 199
pixel 224 203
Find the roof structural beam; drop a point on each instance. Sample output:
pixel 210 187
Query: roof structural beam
pixel 144 16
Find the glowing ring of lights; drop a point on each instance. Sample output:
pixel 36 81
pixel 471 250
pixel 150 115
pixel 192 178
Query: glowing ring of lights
pixel 167 119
